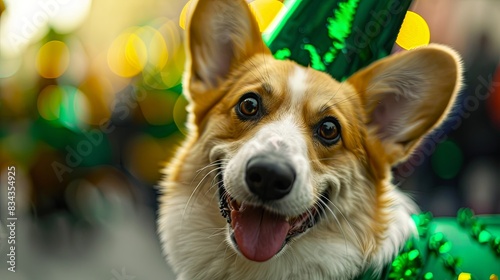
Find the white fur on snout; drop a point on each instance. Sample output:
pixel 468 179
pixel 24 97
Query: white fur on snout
pixel 282 137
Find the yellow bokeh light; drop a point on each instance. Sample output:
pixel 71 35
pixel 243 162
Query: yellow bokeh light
pixel 171 74
pixel 52 59
pixel 464 276
pixel 127 55
pixel 157 52
pixel 414 32
pixel 136 52
pixel 171 34
pixel 183 16
pixel 265 11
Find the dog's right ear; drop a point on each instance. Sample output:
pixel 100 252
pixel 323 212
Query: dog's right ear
pixel 406 95
pixel 220 34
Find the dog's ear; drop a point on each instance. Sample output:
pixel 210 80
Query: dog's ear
pixel 220 34
pixel 406 95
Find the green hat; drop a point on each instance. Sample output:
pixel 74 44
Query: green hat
pixel 338 37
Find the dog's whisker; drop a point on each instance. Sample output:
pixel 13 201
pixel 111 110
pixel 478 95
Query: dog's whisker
pixel 325 206
pixel 349 97
pixel 252 70
pixel 218 232
pixel 214 195
pixel 196 189
pixel 348 224
pixel 225 257
pixel 214 184
pixel 232 254
pixel 214 163
pixel 356 94
pixel 286 253
pixel 206 175
pixel 325 106
pixel 219 171
pixel 208 165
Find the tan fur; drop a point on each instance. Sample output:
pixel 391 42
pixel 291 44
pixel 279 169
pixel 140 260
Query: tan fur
pixel 367 220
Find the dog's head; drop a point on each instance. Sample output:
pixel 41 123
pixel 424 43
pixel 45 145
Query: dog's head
pixel 298 154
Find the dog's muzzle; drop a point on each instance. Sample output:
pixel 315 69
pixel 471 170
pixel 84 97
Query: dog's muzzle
pixel 257 232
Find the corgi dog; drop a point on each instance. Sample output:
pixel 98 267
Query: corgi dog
pixel 285 172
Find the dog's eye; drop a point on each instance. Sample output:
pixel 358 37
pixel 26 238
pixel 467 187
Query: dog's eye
pixel 328 131
pixel 249 106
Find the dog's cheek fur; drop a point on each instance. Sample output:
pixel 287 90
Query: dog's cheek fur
pixel 181 225
pixel 190 226
pixel 372 215
pixel 368 209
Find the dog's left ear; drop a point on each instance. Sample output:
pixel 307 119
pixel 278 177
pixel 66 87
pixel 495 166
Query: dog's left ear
pixel 220 35
pixel 407 95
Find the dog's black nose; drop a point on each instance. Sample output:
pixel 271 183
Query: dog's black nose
pixel 269 177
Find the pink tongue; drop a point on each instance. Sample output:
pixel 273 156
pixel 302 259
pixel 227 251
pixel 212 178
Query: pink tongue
pixel 258 233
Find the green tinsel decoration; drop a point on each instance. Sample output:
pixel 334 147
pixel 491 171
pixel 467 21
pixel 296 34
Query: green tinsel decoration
pixel 316 61
pixel 282 54
pixel 339 28
pixel 443 249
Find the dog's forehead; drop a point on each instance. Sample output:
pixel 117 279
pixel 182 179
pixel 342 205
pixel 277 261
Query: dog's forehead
pixel 313 92
pixel 289 87
pixel 297 85
pixel 314 89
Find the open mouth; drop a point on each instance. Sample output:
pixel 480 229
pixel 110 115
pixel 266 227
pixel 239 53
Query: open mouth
pixel 260 234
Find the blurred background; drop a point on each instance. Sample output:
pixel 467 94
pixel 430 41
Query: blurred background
pixel 91 109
